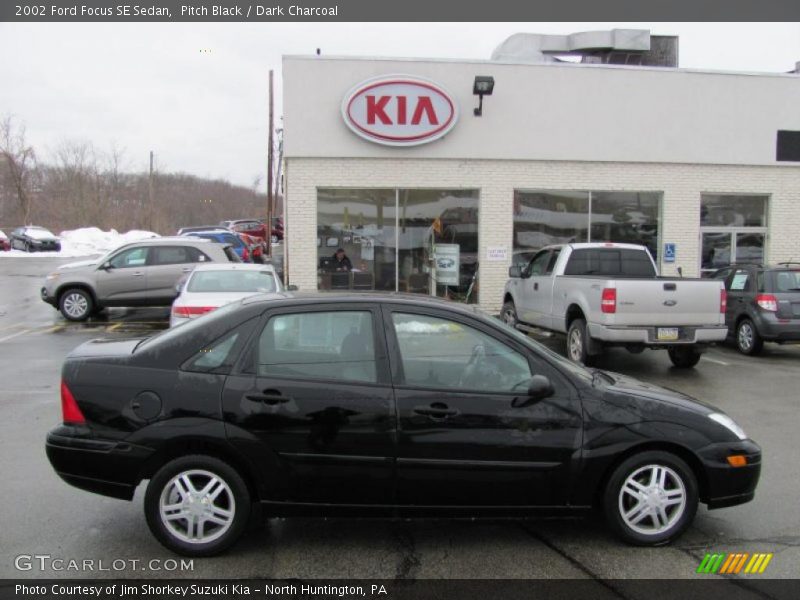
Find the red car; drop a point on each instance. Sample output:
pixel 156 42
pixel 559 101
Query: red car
pixel 256 228
pixel 4 243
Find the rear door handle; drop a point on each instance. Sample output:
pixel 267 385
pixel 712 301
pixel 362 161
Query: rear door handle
pixel 187 269
pixel 269 397
pixel 436 411
pixel 138 274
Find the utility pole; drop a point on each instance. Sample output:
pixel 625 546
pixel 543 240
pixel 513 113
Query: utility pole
pixel 269 172
pixel 150 203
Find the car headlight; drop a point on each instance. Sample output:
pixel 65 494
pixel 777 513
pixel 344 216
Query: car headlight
pixel 53 276
pixel 728 424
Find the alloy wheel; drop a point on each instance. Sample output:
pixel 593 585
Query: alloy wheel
pixel 76 305
pixel 745 336
pixel 575 345
pixel 197 506
pixel 652 499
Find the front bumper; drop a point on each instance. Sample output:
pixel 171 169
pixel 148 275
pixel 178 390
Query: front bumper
pixel 106 467
pixel 649 335
pixel 48 297
pixel 726 485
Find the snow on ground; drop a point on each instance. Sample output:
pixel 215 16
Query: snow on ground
pixel 88 241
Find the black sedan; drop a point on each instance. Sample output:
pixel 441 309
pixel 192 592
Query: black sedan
pixel 35 239
pixel 382 405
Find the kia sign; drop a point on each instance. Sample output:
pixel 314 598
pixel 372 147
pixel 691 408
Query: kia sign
pixel 399 110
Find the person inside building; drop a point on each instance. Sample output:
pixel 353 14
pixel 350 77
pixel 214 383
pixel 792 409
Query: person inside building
pixel 341 262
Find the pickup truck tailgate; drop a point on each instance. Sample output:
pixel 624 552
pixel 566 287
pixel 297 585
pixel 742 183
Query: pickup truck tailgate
pixel 665 302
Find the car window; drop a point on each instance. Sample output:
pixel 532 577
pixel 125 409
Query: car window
pixel 176 255
pixel 539 263
pixel 739 281
pixel 443 354
pixel 132 257
pixel 614 262
pixel 217 357
pixel 787 281
pixel 337 345
pixel 232 281
pixel 552 262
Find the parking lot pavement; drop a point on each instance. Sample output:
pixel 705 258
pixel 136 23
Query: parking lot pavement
pixel 44 516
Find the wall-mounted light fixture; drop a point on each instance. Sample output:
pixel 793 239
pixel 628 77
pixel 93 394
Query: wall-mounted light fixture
pixel 483 86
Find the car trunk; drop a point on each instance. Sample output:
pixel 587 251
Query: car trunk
pixel 668 302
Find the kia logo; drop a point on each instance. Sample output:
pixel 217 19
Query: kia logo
pixel 670 302
pixel 399 110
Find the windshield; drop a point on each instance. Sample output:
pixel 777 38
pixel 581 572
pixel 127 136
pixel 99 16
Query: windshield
pixel 232 281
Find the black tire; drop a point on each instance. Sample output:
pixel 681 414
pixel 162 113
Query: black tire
pixel 233 498
pixel 641 527
pixel 509 314
pixel 28 247
pixel 76 304
pixel 684 357
pixel 748 341
pixel 577 343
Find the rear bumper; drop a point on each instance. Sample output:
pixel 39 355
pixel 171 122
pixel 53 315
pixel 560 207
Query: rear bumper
pixel 726 485
pixel 105 467
pixel 776 330
pixel 649 335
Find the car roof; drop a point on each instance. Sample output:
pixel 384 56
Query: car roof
pixel 172 239
pixel 233 267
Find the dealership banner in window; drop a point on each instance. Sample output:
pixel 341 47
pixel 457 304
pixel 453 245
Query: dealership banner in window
pixel 447 259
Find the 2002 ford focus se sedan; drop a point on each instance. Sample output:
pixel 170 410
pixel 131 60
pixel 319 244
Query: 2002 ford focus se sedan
pixel 381 405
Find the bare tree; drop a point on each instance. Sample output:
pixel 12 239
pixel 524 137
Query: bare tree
pixel 20 163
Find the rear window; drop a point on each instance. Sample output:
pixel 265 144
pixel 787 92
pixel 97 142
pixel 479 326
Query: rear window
pixel 786 281
pixel 612 262
pixel 232 281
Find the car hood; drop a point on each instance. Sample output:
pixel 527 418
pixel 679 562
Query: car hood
pixel 624 384
pixel 79 264
pixel 105 347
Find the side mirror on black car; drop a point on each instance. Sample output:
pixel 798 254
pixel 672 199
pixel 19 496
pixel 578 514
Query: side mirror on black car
pixel 539 388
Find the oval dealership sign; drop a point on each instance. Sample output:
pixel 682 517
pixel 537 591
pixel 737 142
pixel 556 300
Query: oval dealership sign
pixel 399 110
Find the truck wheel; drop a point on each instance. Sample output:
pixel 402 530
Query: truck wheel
pixel 747 339
pixel 509 314
pixel 578 342
pixel 76 304
pixel 684 358
pixel 651 498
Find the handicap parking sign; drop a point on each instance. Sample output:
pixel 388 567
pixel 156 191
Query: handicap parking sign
pixel 669 252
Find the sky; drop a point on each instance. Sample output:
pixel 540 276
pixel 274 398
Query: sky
pixel 196 94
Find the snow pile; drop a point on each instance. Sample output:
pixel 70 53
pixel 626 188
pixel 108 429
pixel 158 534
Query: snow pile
pixel 88 241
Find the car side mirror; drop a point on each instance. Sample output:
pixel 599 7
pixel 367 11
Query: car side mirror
pixel 539 388
pixel 106 266
pixel 292 288
pixel 514 271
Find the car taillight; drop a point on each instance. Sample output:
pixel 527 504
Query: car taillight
pixel 723 301
pixel 767 302
pixel 70 411
pixel 245 254
pixel 608 301
pixel 191 311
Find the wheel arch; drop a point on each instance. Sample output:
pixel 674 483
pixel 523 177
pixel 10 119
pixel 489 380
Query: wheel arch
pixel 574 311
pixel 80 285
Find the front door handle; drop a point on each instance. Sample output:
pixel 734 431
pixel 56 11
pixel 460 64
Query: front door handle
pixel 437 410
pixel 536 285
pixel 187 269
pixel 138 274
pixel 269 397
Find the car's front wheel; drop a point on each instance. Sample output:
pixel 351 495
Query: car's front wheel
pixel 197 505
pixel 76 305
pixel 747 339
pixel 651 498
pixel 509 314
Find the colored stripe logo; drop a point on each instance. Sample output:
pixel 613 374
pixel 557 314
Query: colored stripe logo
pixel 735 563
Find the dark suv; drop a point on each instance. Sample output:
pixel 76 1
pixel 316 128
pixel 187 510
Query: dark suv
pixel 763 304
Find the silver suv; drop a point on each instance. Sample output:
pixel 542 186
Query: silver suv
pixel 142 273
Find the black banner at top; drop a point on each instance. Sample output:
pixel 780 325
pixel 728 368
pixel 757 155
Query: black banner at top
pixel 103 11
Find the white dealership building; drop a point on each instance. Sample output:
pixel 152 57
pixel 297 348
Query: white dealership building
pixel 388 159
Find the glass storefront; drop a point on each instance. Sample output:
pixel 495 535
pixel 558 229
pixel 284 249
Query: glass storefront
pixel 420 241
pixel 549 217
pixel 733 228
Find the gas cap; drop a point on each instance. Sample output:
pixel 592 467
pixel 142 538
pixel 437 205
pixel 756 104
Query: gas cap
pixel 146 405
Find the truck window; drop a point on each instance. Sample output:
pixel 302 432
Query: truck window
pixel 611 262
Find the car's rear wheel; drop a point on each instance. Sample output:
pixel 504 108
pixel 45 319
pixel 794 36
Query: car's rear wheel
pixel 509 314
pixel 684 357
pixel 651 498
pixel 76 305
pixel 197 505
pixel 747 339
pixel 578 343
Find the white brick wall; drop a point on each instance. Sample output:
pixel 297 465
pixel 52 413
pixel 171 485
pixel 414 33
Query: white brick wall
pixel 496 180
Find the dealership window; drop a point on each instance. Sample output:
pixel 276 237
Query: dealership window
pixel 421 241
pixel 549 217
pixel 733 228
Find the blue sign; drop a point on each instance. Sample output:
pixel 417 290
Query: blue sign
pixel 669 252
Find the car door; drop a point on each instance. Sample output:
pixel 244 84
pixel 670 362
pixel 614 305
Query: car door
pixel 535 290
pixel 122 280
pixel 739 287
pixel 165 266
pixel 466 434
pixel 315 399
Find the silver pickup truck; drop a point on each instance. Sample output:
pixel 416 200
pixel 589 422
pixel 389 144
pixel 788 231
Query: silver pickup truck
pixel 604 294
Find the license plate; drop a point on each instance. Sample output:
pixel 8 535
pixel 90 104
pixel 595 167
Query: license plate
pixel 667 333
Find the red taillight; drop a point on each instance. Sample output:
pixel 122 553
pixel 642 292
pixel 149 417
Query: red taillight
pixel 767 302
pixel 608 301
pixel 70 410
pixel 723 301
pixel 191 311
pixel 245 254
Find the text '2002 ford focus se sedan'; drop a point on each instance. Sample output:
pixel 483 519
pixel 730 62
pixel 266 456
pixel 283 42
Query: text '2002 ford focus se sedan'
pixel 381 405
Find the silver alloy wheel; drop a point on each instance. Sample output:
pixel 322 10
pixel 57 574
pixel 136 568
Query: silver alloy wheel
pixel 652 499
pixel 509 317
pixel 197 506
pixel 745 336
pixel 575 345
pixel 75 305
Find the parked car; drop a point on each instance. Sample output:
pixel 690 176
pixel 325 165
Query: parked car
pixel 224 236
pixel 35 239
pixel 208 287
pixel 255 228
pixel 763 304
pixel 142 273
pixel 255 246
pixel 604 294
pixel 4 243
pixel 196 228
pixel 381 405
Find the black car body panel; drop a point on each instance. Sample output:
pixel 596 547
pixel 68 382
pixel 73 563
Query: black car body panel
pixel 320 445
